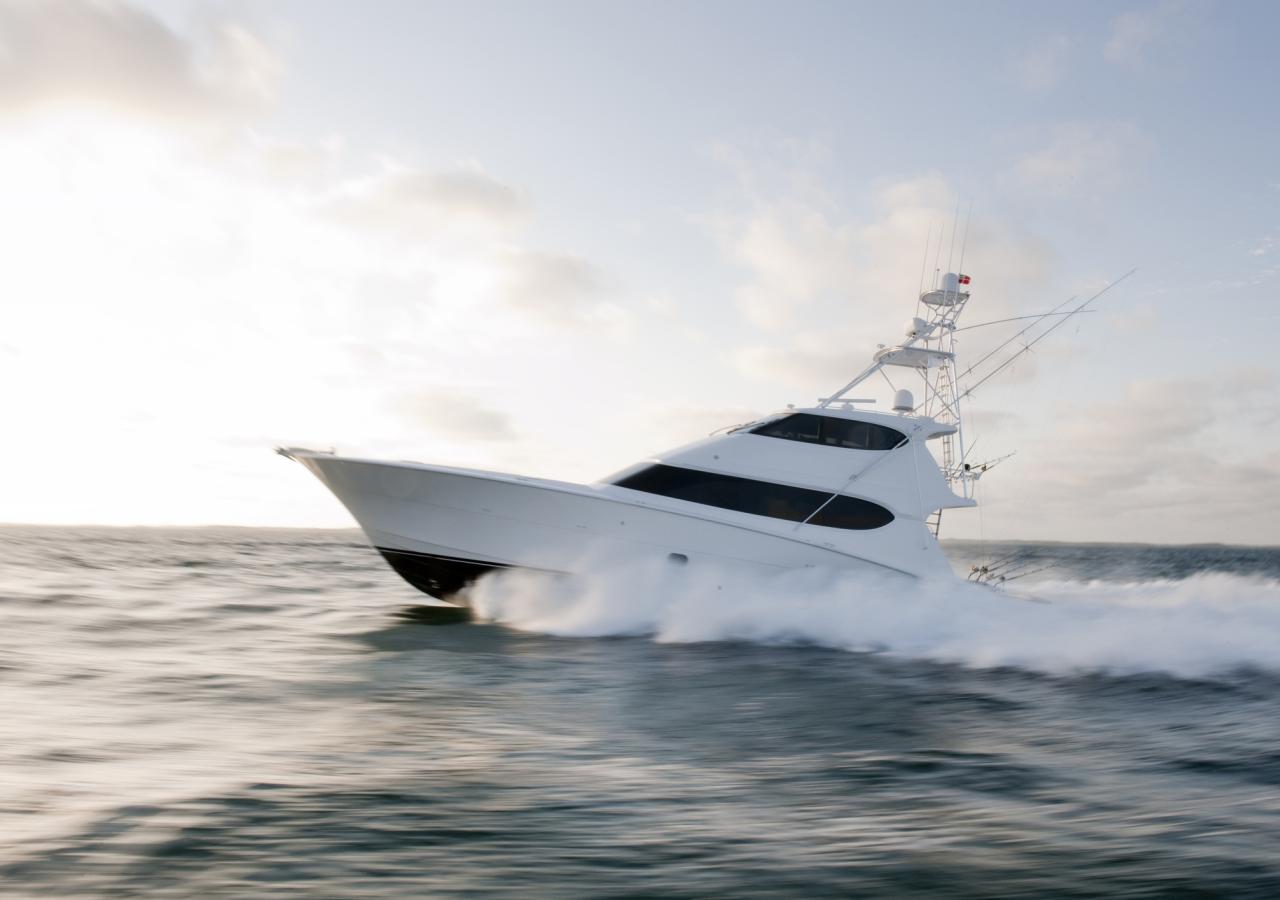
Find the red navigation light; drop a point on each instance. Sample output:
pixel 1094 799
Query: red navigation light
pixel 964 279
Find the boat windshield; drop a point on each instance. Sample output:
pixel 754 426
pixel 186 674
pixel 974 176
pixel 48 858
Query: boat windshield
pixel 832 432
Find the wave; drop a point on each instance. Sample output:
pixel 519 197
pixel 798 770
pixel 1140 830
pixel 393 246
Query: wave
pixel 1194 627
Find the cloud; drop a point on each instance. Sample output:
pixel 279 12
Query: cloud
pixel 667 427
pixel 805 255
pixel 827 283
pixel 413 203
pixel 242 284
pixel 691 423
pixel 557 288
pixel 453 413
pixel 795 252
pixel 978 421
pixel 1083 158
pixel 1139 320
pixel 305 163
pixel 1045 64
pixel 809 360
pixel 1165 459
pixel 464 228
pixel 1137 35
pixel 109 54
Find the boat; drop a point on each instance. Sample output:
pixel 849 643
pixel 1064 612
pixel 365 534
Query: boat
pixel 838 484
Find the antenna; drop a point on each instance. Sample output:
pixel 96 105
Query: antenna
pixel 937 256
pixel 964 242
pixel 924 261
pixel 955 220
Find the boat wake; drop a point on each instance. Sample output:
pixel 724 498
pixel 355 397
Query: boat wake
pixel 1195 627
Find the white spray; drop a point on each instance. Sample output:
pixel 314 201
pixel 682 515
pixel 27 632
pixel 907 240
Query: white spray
pixel 1194 627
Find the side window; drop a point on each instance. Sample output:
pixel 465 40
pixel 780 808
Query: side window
pixel 852 513
pixel 778 501
pixel 760 498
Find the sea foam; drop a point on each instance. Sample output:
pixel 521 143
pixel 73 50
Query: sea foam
pixel 1194 627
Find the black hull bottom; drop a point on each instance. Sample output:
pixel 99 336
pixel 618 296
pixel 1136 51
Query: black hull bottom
pixel 437 576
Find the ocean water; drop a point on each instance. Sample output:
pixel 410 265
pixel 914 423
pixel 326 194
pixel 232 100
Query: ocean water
pixel 258 713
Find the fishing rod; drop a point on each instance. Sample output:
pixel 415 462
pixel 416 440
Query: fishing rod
pixel 1010 340
pixel 1042 336
pixel 1032 572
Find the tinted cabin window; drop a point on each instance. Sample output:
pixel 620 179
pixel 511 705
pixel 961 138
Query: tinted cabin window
pixel 852 513
pixel 760 498
pixel 833 432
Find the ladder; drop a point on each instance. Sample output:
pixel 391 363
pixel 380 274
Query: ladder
pixel 944 390
pixel 934 522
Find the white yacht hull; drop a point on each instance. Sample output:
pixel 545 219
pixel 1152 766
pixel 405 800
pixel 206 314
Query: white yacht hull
pixel 441 527
pixel 837 485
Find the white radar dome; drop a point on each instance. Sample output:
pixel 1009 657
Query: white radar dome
pixel 903 401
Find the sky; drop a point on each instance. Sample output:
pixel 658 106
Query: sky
pixel 556 238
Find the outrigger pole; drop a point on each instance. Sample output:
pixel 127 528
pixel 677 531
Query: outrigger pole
pixel 930 350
